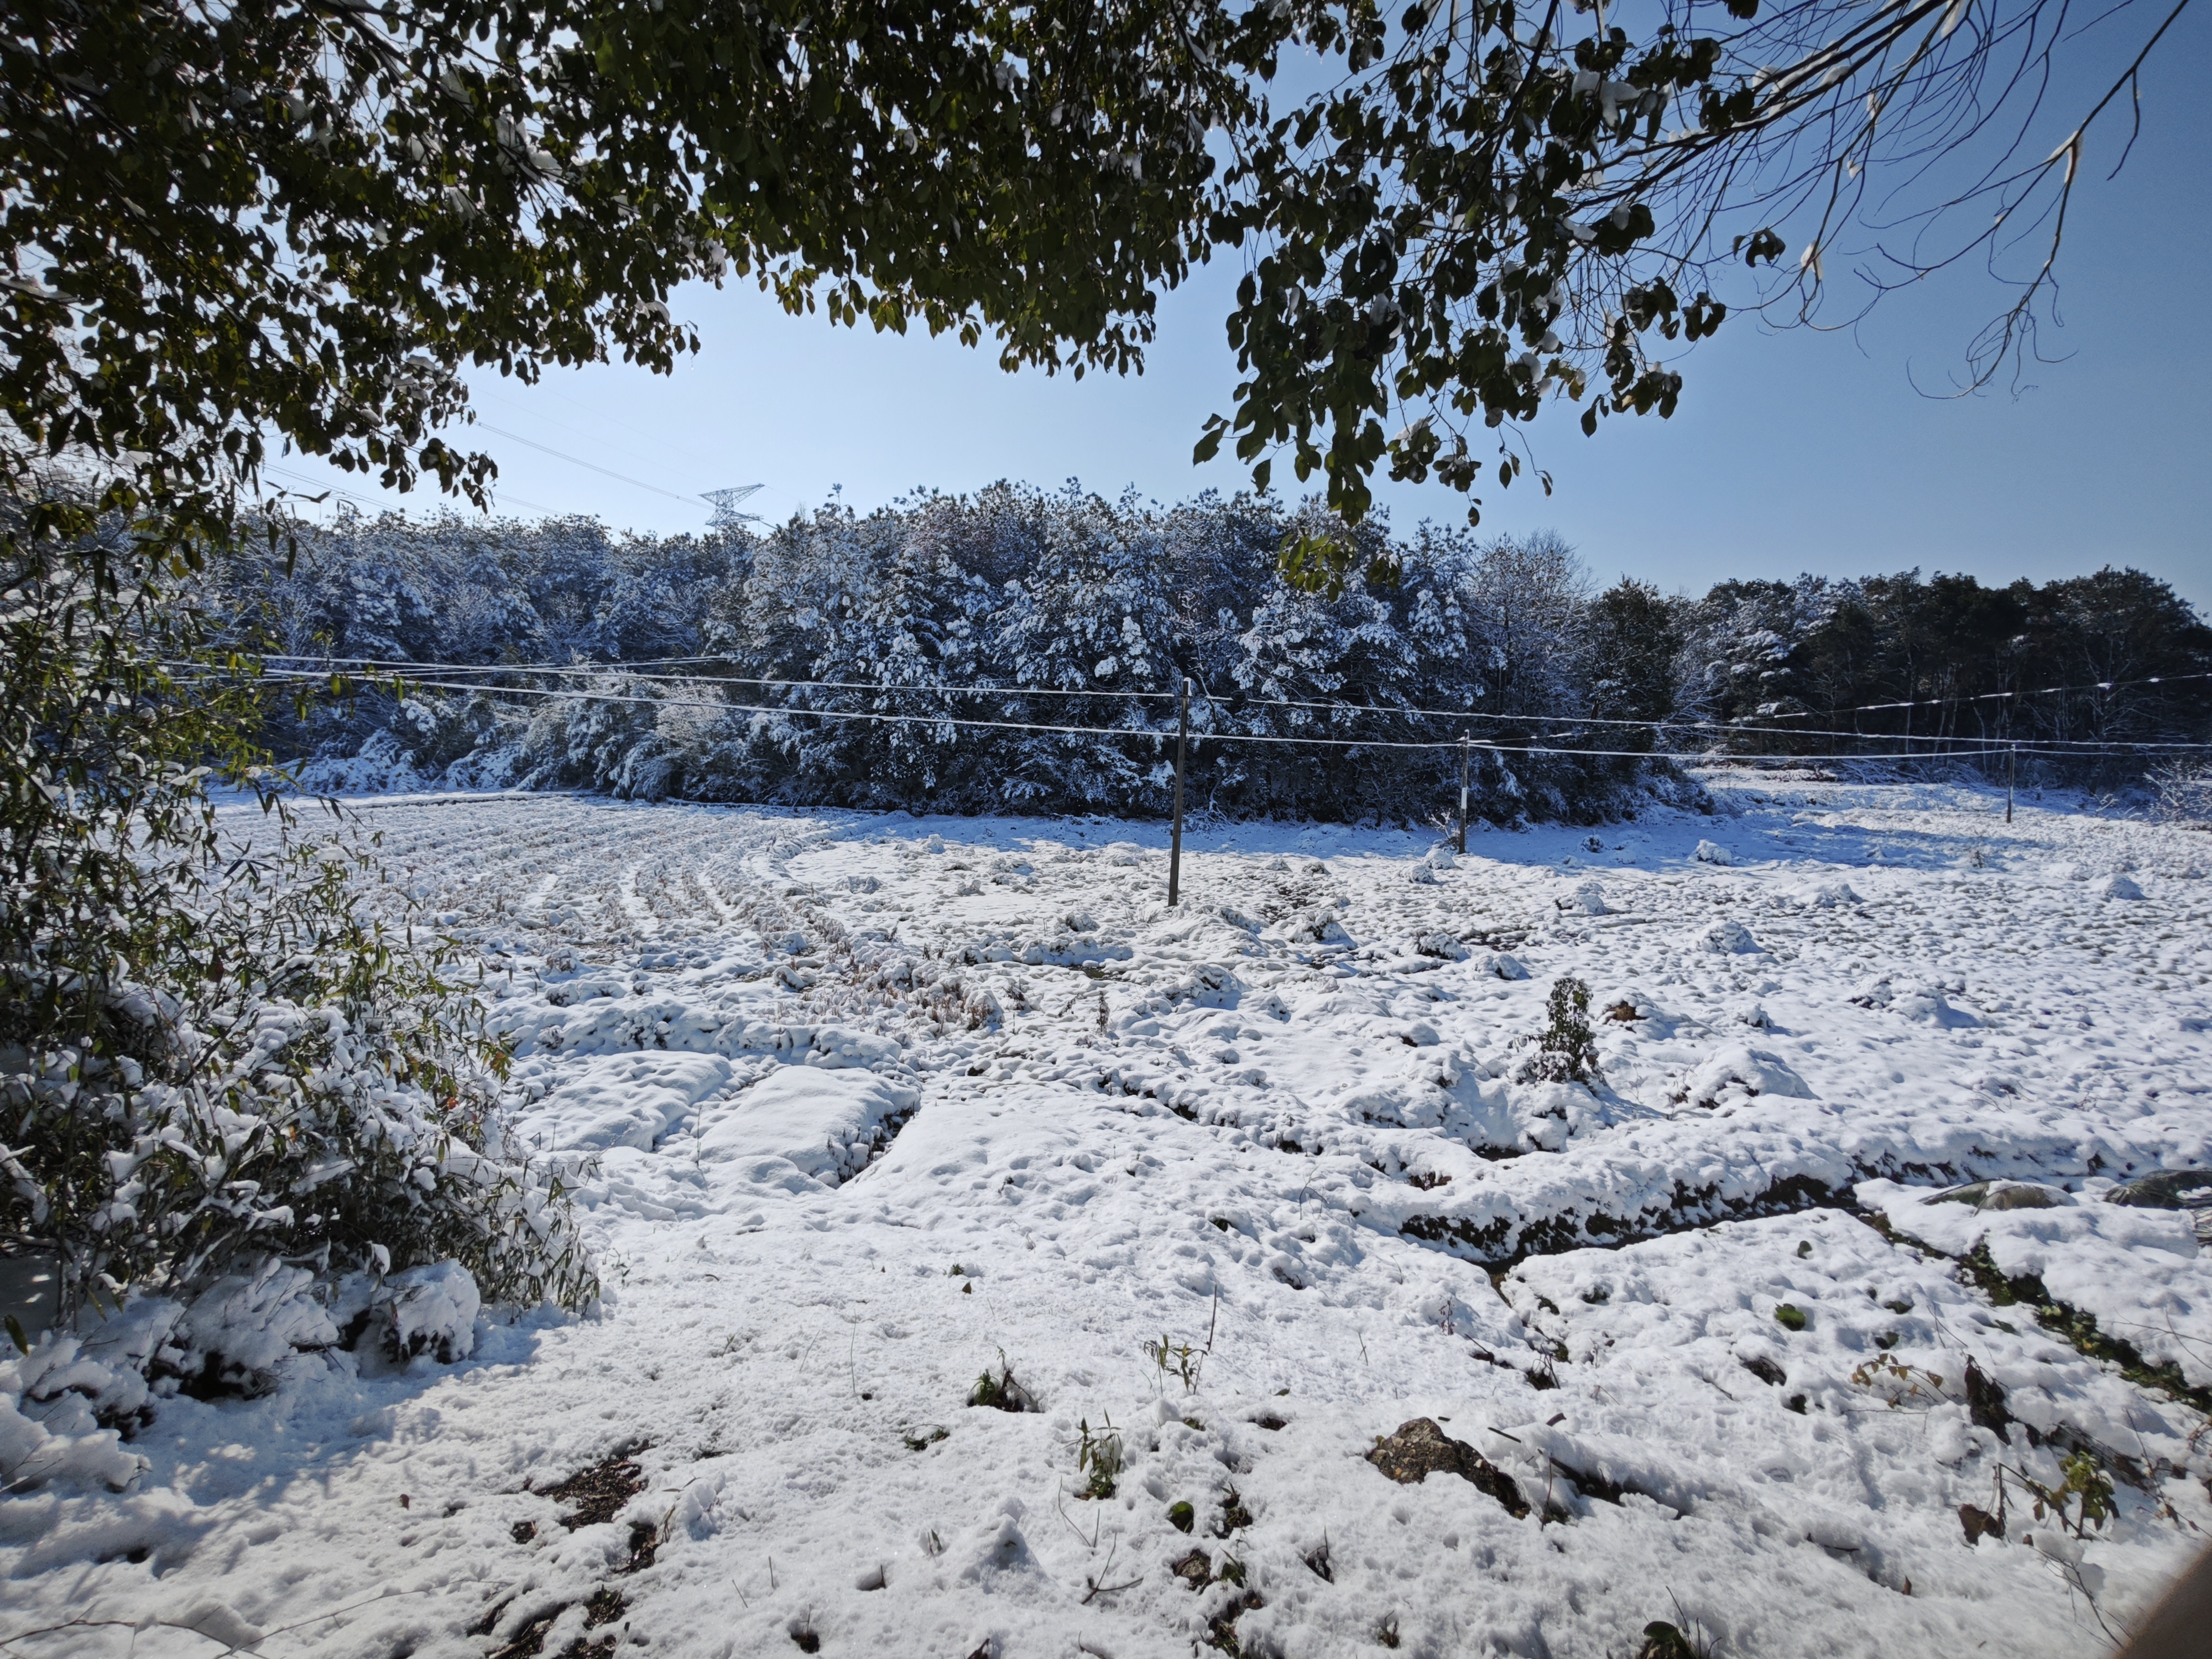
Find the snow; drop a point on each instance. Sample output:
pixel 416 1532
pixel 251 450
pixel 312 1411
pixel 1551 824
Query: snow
pixel 861 1106
pixel 2137 1270
pixel 431 1309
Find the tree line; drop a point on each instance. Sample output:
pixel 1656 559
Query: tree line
pixel 886 660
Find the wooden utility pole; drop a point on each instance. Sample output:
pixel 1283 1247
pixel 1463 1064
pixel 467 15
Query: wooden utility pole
pixel 1174 842
pixel 1463 796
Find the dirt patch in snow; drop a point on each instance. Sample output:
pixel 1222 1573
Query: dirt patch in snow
pixel 1420 1448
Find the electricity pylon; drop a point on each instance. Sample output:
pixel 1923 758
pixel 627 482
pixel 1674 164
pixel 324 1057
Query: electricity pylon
pixel 726 502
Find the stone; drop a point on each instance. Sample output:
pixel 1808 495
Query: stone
pixel 2005 1195
pixel 1195 1569
pixel 1979 1522
pixel 2023 1195
pixel 1420 1448
pixel 1986 1409
pixel 2168 1190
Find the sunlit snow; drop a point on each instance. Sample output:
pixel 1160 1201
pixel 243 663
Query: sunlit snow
pixel 875 1104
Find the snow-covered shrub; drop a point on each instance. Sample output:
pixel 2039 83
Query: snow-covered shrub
pixel 2184 791
pixel 286 1079
pixel 209 1057
pixel 636 739
pixel 1566 1050
pixel 430 1310
pixel 1588 899
pixel 58 1411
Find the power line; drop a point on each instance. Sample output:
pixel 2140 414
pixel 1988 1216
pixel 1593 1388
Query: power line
pixel 624 669
pixel 540 389
pixel 1157 734
pixel 1955 742
pixel 578 461
pixel 366 505
pixel 1670 724
pixel 1987 696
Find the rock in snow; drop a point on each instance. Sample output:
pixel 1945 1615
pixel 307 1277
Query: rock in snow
pixel 1420 1449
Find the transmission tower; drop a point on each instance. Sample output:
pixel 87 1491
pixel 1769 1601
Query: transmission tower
pixel 726 503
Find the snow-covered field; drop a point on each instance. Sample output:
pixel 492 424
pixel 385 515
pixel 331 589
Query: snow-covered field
pixel 1224 1193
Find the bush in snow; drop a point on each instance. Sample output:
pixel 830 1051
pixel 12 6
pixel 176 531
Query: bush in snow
pixel 431 1309
pixel 1566 1050
pixel 2185 792
pixel 208 1058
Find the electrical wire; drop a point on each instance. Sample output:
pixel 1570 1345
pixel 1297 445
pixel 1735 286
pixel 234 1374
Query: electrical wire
pixel 1454 713
pixel 578 461
pixel 1157 733
pixel 366 505
pixel 1987 696
pixel 413 672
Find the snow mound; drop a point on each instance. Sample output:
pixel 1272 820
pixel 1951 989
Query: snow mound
pixel 2007 1195
pixel 1710 852
pixel 52 1403
pixel 1829 895
pixel 1316 926
pixel 243 1330
pixel 1917 1001
pixel 625 1099
pixel 423 1310
pixel 1740 1072
pixel 834 1047
pixel 2121 887
pixel 1728 937
pixel 801 1127
pixel 1588 899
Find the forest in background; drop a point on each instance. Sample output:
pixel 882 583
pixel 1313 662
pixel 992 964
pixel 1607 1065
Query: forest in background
pixel 1088 612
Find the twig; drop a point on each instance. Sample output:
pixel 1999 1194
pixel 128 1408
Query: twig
pixel 281 1630
pixel 1090 1543
pixel 1099 1588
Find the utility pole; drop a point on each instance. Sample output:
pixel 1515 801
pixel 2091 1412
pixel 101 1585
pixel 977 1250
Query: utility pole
pixel 2012 754
pixel 1462 797
pixel 1174 843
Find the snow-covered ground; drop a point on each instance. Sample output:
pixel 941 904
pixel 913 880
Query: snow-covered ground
pixel 879 1104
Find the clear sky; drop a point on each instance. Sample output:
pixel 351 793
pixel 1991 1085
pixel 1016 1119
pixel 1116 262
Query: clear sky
pixel 1790 452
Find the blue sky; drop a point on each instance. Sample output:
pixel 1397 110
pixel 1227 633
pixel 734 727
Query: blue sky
pixel 1790 452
